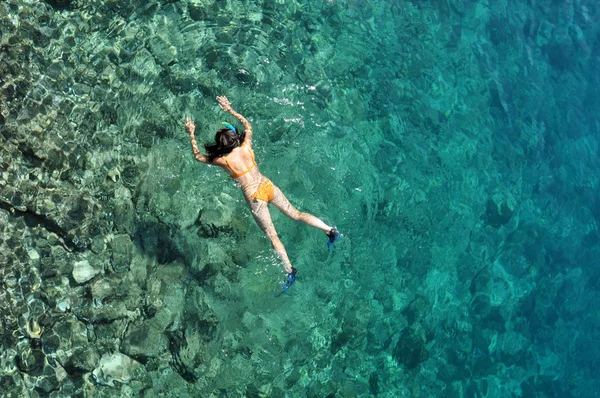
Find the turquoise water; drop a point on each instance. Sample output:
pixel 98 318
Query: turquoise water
pixel 454 144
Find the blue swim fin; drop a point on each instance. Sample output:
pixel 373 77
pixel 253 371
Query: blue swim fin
pixel 289 281
pixel 333 235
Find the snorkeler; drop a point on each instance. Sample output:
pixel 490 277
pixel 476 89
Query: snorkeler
pixel 233 152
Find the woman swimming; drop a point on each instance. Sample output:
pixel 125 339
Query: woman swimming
pixel 233 152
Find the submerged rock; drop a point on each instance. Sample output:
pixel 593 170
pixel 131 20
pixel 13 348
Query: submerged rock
pixel 103 288
pixel 31 361
pixel 146 341
pixel 83 271
pixel 60 4
pixel 122 247
pixel 115 367
pixel 34 330
pixel 217 211
pixel 410 350
pixel 496 214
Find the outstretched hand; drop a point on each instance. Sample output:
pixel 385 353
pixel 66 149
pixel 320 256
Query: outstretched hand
pixel 189 125
pixel 224 103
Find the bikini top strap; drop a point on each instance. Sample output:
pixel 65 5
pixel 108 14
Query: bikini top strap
pixel 230 166
pixel 238 174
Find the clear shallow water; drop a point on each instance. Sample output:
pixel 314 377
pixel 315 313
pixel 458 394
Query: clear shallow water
pixel 454 144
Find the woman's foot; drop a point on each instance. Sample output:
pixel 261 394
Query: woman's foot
pixel 333 235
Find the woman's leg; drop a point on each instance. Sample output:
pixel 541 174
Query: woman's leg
pixel 261 214
pixel 283 204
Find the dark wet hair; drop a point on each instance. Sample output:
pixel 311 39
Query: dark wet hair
pixel 225 141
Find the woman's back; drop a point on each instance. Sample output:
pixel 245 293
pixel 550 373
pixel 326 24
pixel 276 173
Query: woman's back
pixel 239 162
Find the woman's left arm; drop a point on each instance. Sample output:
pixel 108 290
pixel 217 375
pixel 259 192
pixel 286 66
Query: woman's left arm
pixel 226 106
pixel 191 128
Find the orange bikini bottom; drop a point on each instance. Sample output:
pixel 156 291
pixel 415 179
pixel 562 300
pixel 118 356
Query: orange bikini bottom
pixel 266 192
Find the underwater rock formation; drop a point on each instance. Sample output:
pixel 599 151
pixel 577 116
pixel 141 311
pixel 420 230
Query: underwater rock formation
pixel 83 271
pixel 115 367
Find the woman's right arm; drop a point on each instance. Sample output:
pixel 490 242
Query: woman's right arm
pixel 191 128
pixel 226 106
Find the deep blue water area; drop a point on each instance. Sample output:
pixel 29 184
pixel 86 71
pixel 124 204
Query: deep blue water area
pixel 454 144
